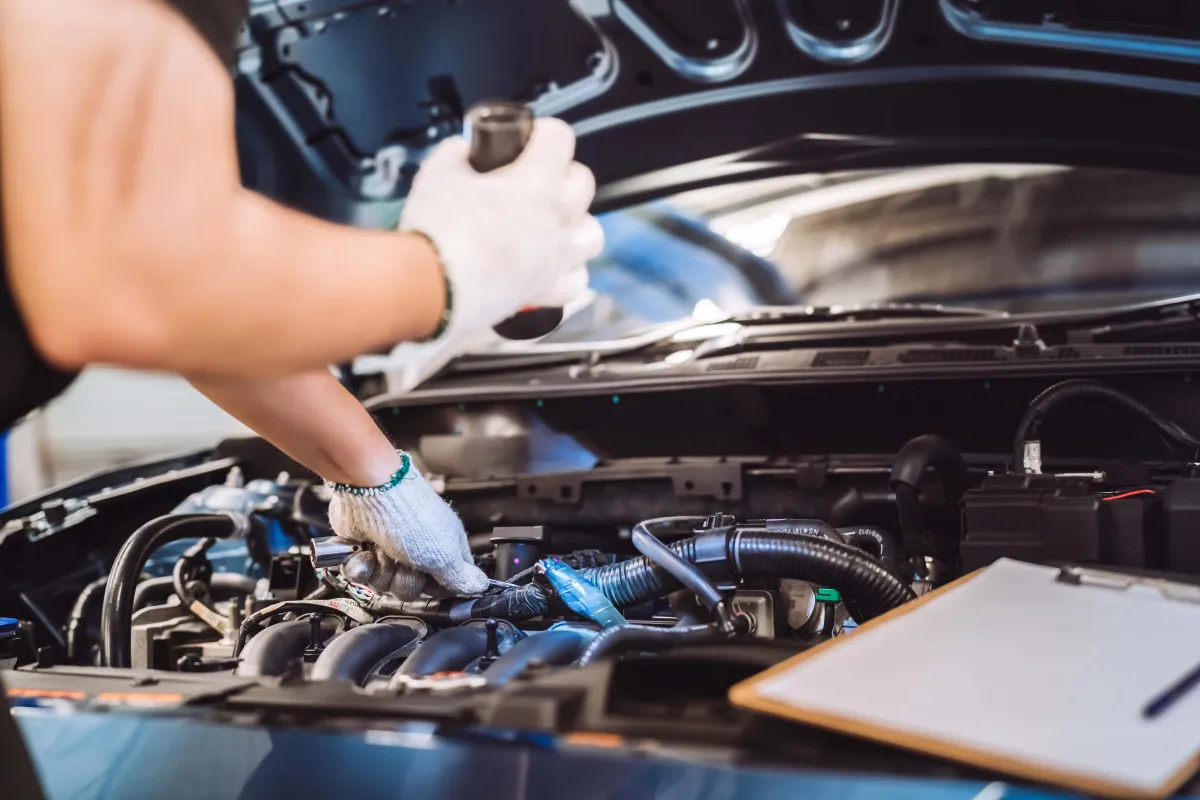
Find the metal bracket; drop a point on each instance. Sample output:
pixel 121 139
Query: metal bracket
pixel 718 479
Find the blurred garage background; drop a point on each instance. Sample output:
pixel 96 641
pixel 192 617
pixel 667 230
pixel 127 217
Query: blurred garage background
pixel 1012 237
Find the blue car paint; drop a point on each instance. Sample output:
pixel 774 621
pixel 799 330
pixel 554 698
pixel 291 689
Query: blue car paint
pixel 89 756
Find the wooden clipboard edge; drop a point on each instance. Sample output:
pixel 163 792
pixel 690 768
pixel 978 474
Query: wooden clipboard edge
pixel 744 695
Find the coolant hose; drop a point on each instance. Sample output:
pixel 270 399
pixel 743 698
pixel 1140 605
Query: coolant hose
pixel 612 641
pixel 553 648
pixel 869 587
pixel 878 542
pixel 115 625
pixel 1047 401
pixel 908 476
pixel 351 656
pixel 451 650
pixel 75 622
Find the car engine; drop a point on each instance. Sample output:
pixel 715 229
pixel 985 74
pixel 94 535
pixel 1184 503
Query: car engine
pixel 625 549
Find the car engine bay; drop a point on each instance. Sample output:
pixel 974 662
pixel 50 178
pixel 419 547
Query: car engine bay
pixel 646 551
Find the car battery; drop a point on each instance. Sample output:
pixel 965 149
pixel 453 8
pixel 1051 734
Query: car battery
pixel 1042 519
pixel 1181 508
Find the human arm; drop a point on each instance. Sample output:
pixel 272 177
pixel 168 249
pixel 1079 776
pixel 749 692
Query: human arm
pixel 316 421
pixel 131 241
pixel 312 418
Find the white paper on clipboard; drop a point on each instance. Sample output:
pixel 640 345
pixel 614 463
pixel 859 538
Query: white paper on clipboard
pixel 1024 668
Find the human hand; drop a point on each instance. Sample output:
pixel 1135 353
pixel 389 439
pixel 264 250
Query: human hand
pixel 415 533
pixel 515 237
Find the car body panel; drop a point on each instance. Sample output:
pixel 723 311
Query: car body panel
pixel 668 95
pixel 132 756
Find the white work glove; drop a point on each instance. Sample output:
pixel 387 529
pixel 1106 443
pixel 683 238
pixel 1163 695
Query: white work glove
pixel 516 237
pixel 414 532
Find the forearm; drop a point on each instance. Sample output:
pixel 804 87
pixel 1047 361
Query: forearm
pixel 312 418
pixel 129 237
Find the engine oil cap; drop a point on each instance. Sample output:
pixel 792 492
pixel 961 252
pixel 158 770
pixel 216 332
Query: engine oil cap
pixel 8 625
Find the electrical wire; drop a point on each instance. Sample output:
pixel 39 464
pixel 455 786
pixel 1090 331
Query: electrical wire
pixel 1134 493
pixel 1041 406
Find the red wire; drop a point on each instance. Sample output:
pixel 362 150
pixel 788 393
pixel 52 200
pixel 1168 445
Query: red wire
pixel 1134 493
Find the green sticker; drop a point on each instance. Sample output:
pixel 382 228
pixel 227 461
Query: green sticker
pixel 825 595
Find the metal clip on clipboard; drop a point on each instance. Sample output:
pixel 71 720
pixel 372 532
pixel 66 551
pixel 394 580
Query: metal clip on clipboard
pixel 1116 581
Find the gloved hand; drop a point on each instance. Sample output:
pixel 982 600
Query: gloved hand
pixel 415 533
pixel 514 237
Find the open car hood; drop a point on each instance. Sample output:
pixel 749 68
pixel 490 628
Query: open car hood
pixel 340 99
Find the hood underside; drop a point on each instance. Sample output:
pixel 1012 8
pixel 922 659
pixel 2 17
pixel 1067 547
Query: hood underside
pixel 338 100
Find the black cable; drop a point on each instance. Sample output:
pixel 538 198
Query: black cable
pixel 611 641
pixel 682 570
pixel 1056 395
pixel 115 625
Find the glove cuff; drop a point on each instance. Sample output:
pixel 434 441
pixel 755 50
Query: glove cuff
pixel 368 491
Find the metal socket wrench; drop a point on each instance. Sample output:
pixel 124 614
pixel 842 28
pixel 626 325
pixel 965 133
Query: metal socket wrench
pixel 498 133
pixel 331 551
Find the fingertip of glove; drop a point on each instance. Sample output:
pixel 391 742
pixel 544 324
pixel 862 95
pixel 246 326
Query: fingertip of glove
pixel 462 578
pixel 551 145
pixel 360 567
pixel 407 584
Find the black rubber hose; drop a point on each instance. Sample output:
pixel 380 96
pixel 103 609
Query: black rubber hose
pixel 115 628
pixel 681 569
pixel 555 648
pixel 351 656
pixel 614 641
pixel 868 586
pixel 222 586
pixel 908 476
pixel 925 452
pixel 450 650
pixel 272 652
pixel 876 541
pixel 1056 395
pixel 78 617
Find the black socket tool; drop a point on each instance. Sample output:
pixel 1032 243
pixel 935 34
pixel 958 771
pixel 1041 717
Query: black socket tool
pixel 498 132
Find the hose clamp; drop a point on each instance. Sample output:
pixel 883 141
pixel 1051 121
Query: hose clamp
pixel 712 558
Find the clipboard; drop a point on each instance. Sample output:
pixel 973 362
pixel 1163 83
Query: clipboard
pixel 1086 733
